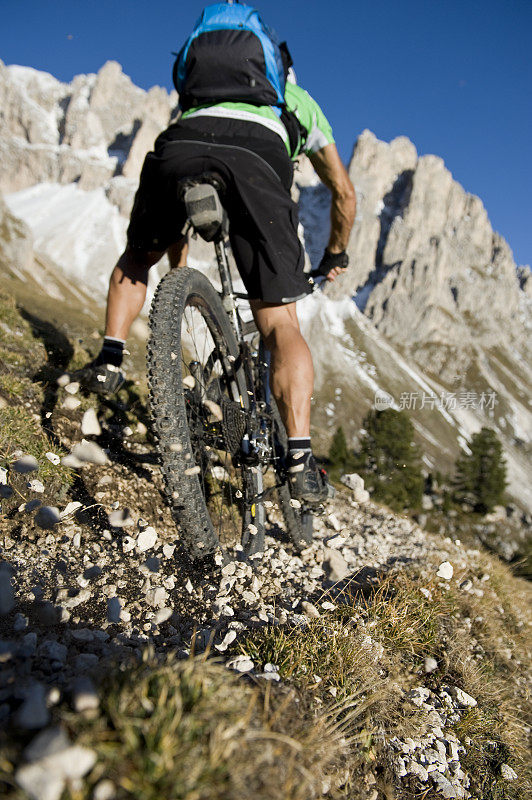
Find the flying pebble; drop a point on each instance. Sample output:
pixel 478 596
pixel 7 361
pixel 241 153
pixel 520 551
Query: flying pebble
pixel 89 424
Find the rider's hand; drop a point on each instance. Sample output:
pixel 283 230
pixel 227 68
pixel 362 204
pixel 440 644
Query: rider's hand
pixel 331 265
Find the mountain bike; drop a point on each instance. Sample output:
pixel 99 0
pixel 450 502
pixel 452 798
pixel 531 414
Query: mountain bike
pixel 220 437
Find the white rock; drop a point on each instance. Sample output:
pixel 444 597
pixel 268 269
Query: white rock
pixel 47 516
pixel 430 664
pixel 46 778
pixel 128 544
pixel 156 598
pixel 508 773
pixel 443 785
pixel 70 508
pixel 462 698
pixel 104 790
pixel 335 565
pixel 36 486
pixel 146 539
pixel 168 550
pixel 228 639
pixel 26 464
pixel 413 768
pixel 53 458
pixel 336 541
pixel 89 453
pixel 162 615
pixel 445 571
pixel 419 695
pixel 361 496
pixel 334 523
pixel 310 610
pixel 89 423
pixel 71 403
pixel 352 481
pixel 241 664
pixel 72 388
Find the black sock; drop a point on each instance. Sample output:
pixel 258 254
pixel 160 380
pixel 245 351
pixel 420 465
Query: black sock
pixel 112 352
pixel 299 444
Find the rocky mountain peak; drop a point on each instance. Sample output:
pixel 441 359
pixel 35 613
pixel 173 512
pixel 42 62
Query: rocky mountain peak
pixel 426 266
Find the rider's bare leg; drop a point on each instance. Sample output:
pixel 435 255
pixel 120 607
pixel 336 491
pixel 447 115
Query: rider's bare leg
pixel 177 253
pixel 291 368
pixel 128 283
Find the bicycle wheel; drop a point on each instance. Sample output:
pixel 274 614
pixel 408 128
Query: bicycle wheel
pixel 298 519
pixel 198 403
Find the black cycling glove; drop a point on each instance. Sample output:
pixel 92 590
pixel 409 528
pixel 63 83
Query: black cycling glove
pixel 329 261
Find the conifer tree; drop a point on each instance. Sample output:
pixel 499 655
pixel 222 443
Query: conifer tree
pixel 389 459
pixel 481 476
pixel 338 454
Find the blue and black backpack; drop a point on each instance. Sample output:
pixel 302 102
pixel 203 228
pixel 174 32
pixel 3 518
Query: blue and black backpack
pixel 231 55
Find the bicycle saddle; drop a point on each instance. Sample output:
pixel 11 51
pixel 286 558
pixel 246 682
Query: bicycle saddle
pixel 202 198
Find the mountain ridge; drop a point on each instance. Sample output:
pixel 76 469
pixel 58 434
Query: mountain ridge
pixel 440 307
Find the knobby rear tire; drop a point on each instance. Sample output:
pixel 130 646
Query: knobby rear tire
pixel 179 290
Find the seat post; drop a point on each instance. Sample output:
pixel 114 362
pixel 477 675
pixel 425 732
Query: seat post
pixel 228 296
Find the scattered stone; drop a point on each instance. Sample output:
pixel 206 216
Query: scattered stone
pixel 7 595
pixel 70 508
pixel 228 639
pixel 443 785
pixel 84 695
pixel 86 452
pixel 168 550
pixel 121 518
pixel 104 790
pixel 462 698
pixel 241 664
pixel 430 664
pixel 508 773
pixel 445 571
pixel 89 423
pixel 146 539
pixel 310 610
pixel 156 598
pixel 46 778
pixel 413 768
pixel 335 565
pixel 36 486
pixel 162 615
pixel 53 651
pixel 336 541
pixel 70 404
pixel 53 458
pixel 114 607
pixel 25 464
pixel 72 388
pixel 33 713
pixel 47 516
pixel 333 521
pixel 419 695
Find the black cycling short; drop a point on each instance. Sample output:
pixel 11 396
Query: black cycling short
pixel 263 218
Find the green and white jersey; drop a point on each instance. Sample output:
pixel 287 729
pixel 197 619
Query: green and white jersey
pixel 308 112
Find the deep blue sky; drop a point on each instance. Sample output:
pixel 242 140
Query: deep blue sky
pixel 454 76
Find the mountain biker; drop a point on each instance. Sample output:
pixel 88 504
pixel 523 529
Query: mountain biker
pixel 253 149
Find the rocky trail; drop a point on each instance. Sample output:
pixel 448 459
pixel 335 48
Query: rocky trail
pixel 93 581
